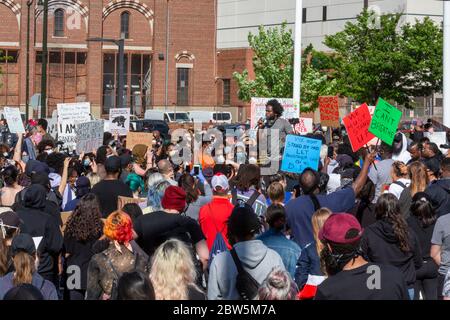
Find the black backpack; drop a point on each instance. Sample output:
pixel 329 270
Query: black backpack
pixel 246 285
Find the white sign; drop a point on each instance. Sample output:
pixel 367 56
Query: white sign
pixel 89 136
pixel 438 138
pixel 69 115
pixel 119 121
pixel 258 109
pixel 15 124
pixel 52 128
pixel 304 126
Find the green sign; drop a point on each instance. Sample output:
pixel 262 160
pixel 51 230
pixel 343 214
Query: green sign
pixel 385 121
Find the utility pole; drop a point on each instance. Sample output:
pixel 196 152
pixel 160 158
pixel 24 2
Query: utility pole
pixel 446 84
pixel 44 61
pixel 27 85
pixel 298 51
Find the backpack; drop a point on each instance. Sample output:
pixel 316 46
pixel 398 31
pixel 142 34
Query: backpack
pixel 219 244
pixel 246 285
pixel 115 283
pixel 250 201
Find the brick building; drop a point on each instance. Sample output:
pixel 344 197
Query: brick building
pixel 87 71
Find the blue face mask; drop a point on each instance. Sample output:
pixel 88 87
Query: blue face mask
pixel 87 162
pixel 241 157
pixel 25 158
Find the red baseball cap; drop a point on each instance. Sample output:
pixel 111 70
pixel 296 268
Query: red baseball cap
pixel 341 228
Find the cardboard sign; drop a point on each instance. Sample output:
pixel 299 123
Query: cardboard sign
pixel 357 124
pixel 119 121
pixel 300 153
pixel 258 109
pixel 304 126
pixel 15 123
pixel 329 111
pixel 134 138
pixel 89 136
pixel 69 115
pixel 385 121
pixel 438 138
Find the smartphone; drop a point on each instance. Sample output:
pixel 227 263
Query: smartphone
pixel 187 168
pixel 330 152
pixel 196 170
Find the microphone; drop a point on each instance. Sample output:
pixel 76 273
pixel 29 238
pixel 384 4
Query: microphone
pixel 445 146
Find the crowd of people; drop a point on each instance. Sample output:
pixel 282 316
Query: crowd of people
pixel 122 223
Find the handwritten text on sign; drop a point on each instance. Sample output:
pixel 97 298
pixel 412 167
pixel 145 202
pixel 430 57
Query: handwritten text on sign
pixel 89 136
pixel 134 138
pixel 385 121
pixel 329 111
pixel 69 115
pixel 300 153
pixel 14 119
pixel 304 126
pixel 357 124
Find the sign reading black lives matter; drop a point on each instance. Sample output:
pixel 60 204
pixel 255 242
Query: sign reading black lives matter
pixel 89 136
pixel 69 115
pixel 119 121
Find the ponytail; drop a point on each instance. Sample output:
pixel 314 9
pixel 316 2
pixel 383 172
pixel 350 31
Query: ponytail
pixel 3 257
pixel 25 267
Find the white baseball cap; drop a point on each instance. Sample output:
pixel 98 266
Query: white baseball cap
pixel 220 180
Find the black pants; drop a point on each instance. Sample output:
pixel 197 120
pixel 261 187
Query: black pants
pixel 427 281
pixel 441 280
pixel 76 294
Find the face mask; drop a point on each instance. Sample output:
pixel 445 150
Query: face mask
pixel 241 157
pixel 220 160
pixel 252 160
pixel 87 163
pixel 25 158
pixel 227 150
pixel 49 151
pixel 172 153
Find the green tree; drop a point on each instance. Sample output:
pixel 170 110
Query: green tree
pixel 390 61
pixel 273 66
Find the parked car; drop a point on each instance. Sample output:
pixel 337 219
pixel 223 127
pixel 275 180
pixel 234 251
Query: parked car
pixel 169 117
pixel 149 126
pixel 210 116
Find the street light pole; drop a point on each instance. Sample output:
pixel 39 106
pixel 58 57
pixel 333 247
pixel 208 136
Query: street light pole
pixel 166 93
pixel 298 51
pixel 27 85
pixel 120 81
pixel 446 66
pixel 44 62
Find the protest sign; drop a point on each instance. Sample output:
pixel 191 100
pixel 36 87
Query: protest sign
pixel 258 109
pixel 300 153
pixel 119 121
pixel 385 121
pixel 357 124
pixel 69 115
pixel 134 138
pixel 52 127
pixel 438 138
pixel 15 123
pixel 329 111
pixel 89 136
pixel 304 126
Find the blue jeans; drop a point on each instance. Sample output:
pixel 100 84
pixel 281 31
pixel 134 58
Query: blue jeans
pixel 411 293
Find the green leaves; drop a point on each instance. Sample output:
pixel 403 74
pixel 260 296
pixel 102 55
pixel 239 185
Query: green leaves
pixel 392 61
pixel 273 66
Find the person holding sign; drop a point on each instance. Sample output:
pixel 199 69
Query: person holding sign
pixel 300 210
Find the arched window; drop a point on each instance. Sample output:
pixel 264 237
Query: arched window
pixel 59 23
pixel 125 25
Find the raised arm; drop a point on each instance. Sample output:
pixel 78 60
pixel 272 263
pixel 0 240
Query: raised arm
pixel 362 177
pixel 64 177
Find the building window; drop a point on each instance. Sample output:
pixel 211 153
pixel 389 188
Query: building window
pixel 226 92
pixel 183 86
pixel 324 13
pixel 125 25
pixel 59 23
pixel 304 15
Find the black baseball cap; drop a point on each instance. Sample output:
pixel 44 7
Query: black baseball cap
pixel 10 219
pixel 35 166
pixel 113 164
pixel 23 243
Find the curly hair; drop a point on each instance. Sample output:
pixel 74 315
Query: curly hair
pixel 85 222
pixel 118 227
pixel 388 209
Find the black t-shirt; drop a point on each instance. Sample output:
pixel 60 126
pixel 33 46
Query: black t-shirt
pixel 424 234
pixel 80 253
pixel 354 284
pixel 108 191
pixel 155 228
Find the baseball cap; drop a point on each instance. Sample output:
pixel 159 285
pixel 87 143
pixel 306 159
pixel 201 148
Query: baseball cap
pixel 23 242
pixel 220 180
pixel 113 164
pixel 243 221
pixel 35 166
pixel 341 228
pixel 41 178
pixel 10 219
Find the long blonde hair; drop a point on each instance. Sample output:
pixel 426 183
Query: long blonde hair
pixel 24 264
pixel 172 271
pixel 419 177
pixel 318 220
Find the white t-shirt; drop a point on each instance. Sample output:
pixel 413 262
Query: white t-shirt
pixel 396 189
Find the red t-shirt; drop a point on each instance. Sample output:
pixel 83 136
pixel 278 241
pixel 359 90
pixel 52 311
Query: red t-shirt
pixel 213 217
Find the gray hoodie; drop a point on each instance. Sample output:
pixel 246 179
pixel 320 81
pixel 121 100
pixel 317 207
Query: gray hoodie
pixel 257 260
